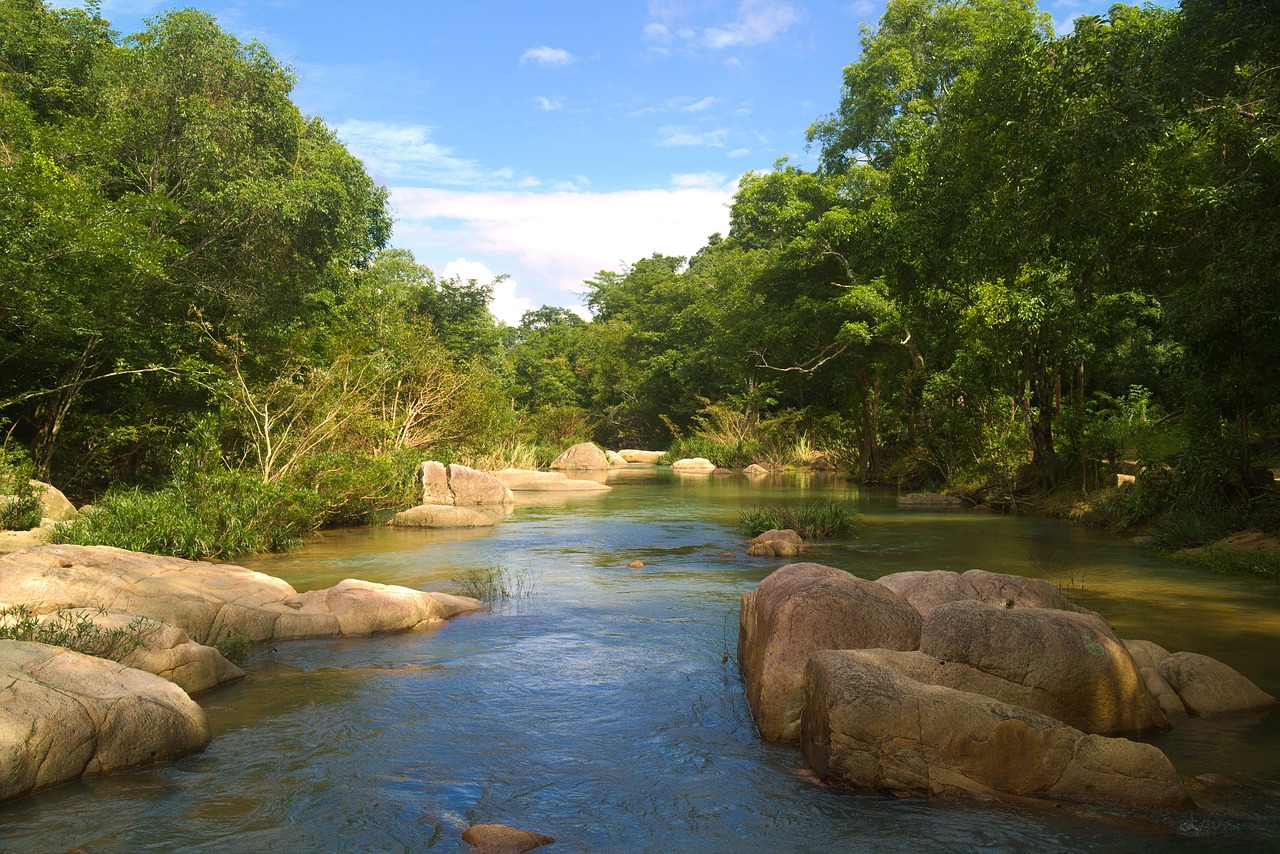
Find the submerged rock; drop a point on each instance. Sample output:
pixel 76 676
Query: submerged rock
pixel 64 715
pixel 501 839
pixel 869 726
pixel 928 499
pixel 777 543
pixel 694 464
pixel 529 480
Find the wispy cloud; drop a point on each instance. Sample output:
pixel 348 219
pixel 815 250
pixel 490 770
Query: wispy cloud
pixel 545 103
pixel 406 154
pixel 758 21
pixel 698 106
pixel 546 56
pixel 681 135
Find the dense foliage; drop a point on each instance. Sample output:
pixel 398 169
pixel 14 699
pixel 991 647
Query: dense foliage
pixel 1026 261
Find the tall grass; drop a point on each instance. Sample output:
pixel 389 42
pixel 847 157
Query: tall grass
pixel 817 520
pixel 19 500
pixel 495 583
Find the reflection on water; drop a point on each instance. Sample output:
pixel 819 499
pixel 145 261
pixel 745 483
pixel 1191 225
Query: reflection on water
pixel 601 709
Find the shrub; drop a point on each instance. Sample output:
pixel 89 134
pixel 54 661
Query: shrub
pixel 19 500
pixel 223 514
pixel 1236 561
pixel 817 520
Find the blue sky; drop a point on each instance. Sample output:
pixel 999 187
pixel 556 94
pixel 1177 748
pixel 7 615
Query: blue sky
pixel 549 139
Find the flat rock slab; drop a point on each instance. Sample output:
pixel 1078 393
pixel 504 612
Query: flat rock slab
pixel 529 480
pixel 445 516
pixel 694 464
pixel 929 590
pixel 64 715
pixel 869 726
pixel 636 455
pixel 207 600
pixel 929 499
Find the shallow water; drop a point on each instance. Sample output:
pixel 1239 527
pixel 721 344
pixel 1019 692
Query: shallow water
pixel 606 709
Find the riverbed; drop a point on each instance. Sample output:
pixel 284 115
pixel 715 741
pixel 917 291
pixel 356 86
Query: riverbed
pixel 602 704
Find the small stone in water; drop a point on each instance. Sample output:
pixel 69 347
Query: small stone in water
pixel 636 564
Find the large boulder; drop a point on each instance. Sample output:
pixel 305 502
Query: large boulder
pixel 694 464
pixel 435 483
pixel 801 608
pixel 755 470
pixel 616 459
pixel 585 456
pixel 53 504
pixel 927 590
pixel 866 725
pixel 64 715
pixel 473 488
pixel 528 480
pixel 443 516
pixel 1206 686
pixel 502 839
pixel 634 455
pixel 1065 664
pixel 208 601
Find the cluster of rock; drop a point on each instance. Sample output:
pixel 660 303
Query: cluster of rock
pixel 979 684
pixel 64 715
pixel 456 496
pixel 588 456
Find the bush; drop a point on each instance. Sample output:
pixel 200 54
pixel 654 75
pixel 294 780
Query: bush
pixel 223 514
pixel 734 455
pixel 1236 561
pixel 818 520
pixel 74 631
pixel 19 500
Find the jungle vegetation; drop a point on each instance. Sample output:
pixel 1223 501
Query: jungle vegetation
pixel 1026 262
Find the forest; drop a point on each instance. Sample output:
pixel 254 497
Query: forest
pixel 1026 263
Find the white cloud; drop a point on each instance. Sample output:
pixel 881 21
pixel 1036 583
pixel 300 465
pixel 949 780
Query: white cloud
pixel 684 135
pixel 740 152
pixel 759 21
pixel 546 103
pixel 546 56
pixel 504 304
pixel 407 154
pixel 657 32
pixel 552 242
pixel 698 106
pixel 698 180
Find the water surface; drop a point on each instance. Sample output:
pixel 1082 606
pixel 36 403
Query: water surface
pixel 606 709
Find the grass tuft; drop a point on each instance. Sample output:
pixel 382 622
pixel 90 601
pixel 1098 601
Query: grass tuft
pixel 495 583
pixel 75 631
pixel 817 520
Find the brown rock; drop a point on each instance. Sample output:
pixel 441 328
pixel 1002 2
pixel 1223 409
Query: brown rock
pixel 208 600
pixel 615 459
pixel 64 715
pixel 501 839
pixel 694 465
pixel 435 483
pixel 1170 703
pixel 1065 664
pixel 473 488
pixel 53 504
pixel 801 608
pixel 1206 686
pixel 866 725
pixel 442 516
pixel 636 564
pixel 928 499
pixel 633 455
pixel 527 480
pixel 1145 653
pixel 777 543
pixel 755 470
pixel 584 455
pixel 927 590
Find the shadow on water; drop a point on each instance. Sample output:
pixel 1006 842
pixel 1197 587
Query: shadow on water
pixel 606 708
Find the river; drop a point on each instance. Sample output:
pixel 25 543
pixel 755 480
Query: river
pixel 606 709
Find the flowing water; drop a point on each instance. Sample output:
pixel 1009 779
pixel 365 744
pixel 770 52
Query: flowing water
pixel 606 708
